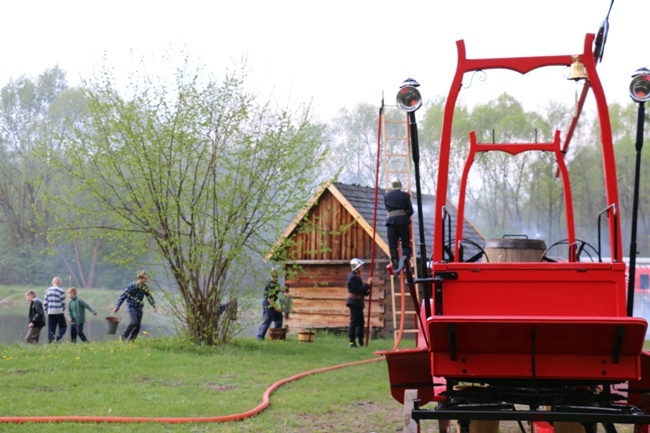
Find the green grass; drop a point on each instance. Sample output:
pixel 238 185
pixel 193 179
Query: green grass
pixel 173 378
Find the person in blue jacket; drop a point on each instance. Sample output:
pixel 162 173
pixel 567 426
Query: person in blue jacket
pixel 134 296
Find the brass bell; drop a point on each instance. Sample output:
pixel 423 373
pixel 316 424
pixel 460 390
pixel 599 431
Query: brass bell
pixel 578 71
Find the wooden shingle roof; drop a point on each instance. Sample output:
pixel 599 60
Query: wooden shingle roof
pixel 363 199
pixel 359 202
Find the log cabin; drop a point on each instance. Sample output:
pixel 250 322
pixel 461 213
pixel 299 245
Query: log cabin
pixel 335 226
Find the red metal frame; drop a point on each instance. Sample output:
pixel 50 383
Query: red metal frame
pixel 524 65
pixel 508 324
pixel 515 149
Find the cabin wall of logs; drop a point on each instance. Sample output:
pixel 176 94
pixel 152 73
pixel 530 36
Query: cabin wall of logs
pixel 335 226
pixel 317 255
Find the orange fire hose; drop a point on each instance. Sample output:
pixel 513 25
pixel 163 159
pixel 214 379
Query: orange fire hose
pixel 183 420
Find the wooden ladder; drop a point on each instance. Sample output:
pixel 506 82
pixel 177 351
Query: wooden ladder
pixel 396 162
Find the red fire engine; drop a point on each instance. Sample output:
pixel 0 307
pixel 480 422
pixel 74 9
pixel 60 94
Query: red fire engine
pixel 543 342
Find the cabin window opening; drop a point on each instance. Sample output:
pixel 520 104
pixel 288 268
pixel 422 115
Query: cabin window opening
pixel 645 281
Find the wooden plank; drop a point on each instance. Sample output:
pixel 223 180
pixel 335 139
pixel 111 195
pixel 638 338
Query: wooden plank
pixel 322 280
pixel 314 232
pixel 347 237
pixel 410 425
pixel 317 283
pixel 297 321
pixel 327 228
pixel 357 246
pixel 331 304
pixel 328 292
pixel 322 305
pixel 335 243
pixel 299 249
pixel 312 238
pixel 330 262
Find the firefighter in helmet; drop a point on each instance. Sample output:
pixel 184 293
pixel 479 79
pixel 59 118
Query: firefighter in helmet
pixel 398 221
pixel 357 291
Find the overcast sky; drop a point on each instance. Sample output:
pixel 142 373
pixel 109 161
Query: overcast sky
pixel 334 53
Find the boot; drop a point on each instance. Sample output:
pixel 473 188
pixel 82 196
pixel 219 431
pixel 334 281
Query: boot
pixel 360 342
pixel 352 344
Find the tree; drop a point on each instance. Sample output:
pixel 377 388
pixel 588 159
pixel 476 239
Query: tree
pixel 498 193
pixel 25 126
pixel 430 134
pixel 353 145
pixel 200 172
pixel 623 120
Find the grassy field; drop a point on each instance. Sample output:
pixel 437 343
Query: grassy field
pixel 173 378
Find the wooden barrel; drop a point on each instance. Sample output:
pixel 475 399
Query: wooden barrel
pixel 306 336
pixel 514 250
pixel 278 334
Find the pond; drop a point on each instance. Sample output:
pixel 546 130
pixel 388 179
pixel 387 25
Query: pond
pixel 13 327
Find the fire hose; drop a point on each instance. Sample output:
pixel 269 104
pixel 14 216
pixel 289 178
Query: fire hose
pixel 266 401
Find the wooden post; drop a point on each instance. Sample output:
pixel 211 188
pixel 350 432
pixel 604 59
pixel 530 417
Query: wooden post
pixel 410 425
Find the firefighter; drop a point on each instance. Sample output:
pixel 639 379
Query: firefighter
pixel 270 309
pixel 398 222
pixel 357 291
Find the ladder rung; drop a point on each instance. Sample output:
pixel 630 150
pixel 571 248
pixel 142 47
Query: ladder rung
pixel 396 138
pixel 397 154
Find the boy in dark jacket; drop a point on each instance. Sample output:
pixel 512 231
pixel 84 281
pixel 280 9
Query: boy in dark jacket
pixel 36 317
pixel 77 312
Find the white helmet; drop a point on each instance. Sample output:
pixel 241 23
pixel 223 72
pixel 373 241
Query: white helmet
pixel 356 264
pixel 395 183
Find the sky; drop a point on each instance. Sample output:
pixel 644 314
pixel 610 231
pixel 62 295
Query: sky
pixel 332 53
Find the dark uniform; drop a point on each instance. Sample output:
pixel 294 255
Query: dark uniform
pixel 399 208
pixel 357 290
